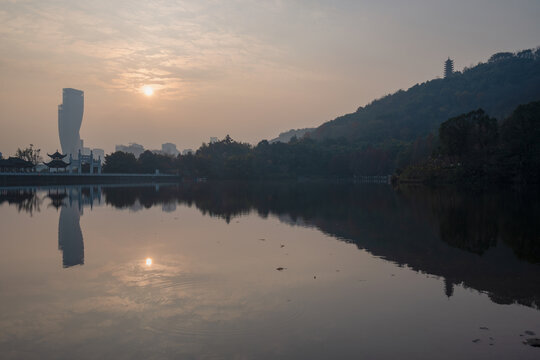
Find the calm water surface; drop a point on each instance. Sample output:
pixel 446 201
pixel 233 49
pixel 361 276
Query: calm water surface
pixel 264 271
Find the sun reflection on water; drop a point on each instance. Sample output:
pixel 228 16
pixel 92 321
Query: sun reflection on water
pixel 148 261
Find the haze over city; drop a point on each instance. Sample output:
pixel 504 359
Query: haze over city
pixel 181 72
pixel 281 179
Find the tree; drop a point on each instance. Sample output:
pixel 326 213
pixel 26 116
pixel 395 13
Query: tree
pixel 520 133
pixel 120 162
pixel 29 154
pixel 150 162
pixel 470 134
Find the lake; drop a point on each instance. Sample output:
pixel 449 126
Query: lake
pixel 269 271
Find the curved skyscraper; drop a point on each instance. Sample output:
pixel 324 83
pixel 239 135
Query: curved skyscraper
pixel 70 114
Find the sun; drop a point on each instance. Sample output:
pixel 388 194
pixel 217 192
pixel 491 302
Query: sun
pixel 148 90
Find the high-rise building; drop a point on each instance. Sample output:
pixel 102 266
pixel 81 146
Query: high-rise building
pixel 70 114
pixel 132 148
pixel 448 68
pixel 169 149
pixel 99 154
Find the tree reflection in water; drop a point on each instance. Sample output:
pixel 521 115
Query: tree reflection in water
pixel 487 240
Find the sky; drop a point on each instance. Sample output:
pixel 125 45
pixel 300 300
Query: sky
pixel 248 68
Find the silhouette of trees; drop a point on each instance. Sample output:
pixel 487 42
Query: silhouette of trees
pixel 468 134
pixel 29 154
pixel 520 140
pixel 473 147
pixel 468 147
pixel 120 162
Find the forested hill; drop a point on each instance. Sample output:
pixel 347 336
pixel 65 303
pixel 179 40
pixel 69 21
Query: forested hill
pixel 286 136
pixel 498 86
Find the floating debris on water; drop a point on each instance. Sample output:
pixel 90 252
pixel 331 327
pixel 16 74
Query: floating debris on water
pixel 282 246
pixel 280 268
pixel 529 332
pixel 534 342
pixel 476 341
pixel 484 328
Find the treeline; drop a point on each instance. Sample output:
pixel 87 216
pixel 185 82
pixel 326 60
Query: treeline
pixel 475 147
pixel 469 148
pixel 229 159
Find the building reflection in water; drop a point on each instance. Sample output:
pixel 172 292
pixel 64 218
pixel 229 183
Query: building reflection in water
pixel 71 202
pixel 483 240
pixel 70 237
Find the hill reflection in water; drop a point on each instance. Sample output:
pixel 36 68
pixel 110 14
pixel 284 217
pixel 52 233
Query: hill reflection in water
pixel 488 241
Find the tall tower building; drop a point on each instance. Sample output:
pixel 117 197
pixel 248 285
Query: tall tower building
pixel 70 114
pixel 448 68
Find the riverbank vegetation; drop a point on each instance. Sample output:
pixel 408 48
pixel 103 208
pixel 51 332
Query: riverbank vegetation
pixel 474 147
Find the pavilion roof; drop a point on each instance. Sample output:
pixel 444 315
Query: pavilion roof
pixel 57 164
pixel 57 155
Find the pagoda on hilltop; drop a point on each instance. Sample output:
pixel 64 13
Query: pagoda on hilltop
pixel 57 161
pixel 448 68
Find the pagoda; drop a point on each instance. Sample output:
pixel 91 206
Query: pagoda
pixel 448 68
pixel 56 161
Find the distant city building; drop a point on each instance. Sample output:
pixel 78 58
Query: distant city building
pixel 132 148
pixel 213 140
pixel 99 154
pixel 169 149
pixel 448 68
pixel 70 114
pixel 187 152
pixel 0 155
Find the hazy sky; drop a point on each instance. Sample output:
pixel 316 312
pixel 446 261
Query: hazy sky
pixel 246 68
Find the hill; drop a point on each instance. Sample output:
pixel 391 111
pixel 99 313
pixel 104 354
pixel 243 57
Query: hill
pixel 498 87
pixel 286 136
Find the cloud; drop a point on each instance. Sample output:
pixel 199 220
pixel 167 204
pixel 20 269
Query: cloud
pixel 177 47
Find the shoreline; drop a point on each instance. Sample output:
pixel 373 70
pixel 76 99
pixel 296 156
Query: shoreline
pixel 17 179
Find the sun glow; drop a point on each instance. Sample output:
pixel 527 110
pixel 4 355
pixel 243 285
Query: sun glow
pixel 148 90
pixel 148 261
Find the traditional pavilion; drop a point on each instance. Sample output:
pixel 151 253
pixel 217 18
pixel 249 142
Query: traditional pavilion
pixel 57 162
